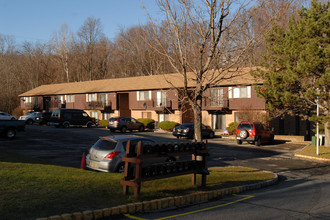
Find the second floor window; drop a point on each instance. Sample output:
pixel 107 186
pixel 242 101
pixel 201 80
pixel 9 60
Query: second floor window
pixel 143 95
pixel 216 96
pixel 69 98
pixel 104 99
pixel 161 98
pixel 92 97
pixel 239 92
pixel 27 99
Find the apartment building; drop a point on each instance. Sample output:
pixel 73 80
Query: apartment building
pixel 157 97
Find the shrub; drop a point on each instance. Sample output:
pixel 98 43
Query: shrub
pixel 232 127
pixel 167 125
pixel 148 122
pixel 103 123
pixel 17 112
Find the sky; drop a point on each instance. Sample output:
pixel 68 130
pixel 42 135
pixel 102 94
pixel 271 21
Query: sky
pixel 38 20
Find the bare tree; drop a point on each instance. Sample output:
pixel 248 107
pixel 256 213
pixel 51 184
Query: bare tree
pixel 62 45
pixel 90 34
pixel 200 44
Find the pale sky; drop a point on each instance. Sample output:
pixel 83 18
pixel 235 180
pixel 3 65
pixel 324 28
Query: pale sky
pixel 38 20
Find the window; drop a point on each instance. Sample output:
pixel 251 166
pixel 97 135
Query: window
pixel 69 98
pixel 239 92
pixel 146 114
pixel 143 95
pixel 91 97
pixel 106 116
pixel 218 121
pixel 161 98
pixel 104 99
pixel 163 117
pixel 60 99
pixel 27 99
pixel 94 115
pixel 216 97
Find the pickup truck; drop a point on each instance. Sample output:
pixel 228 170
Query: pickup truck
pixel 10 127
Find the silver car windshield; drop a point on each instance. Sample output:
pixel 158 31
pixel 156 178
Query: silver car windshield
pixel 105 144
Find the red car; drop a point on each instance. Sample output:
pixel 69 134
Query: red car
pixel 253 132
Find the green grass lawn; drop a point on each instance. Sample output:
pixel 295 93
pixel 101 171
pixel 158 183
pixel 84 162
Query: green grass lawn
pixel 31 188
pixel 324 152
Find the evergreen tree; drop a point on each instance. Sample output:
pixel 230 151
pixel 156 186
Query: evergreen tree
pixel 296 66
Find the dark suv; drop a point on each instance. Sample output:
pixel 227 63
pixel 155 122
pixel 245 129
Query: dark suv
pixel 70 117
pixel 124 123
pixel 253 132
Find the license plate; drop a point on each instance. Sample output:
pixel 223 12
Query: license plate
pixel 93 164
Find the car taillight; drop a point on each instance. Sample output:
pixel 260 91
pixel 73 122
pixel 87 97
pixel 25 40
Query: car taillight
pixel 112 155
pixel 186 130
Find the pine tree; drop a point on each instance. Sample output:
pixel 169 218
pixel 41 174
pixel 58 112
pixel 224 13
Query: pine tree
pixel 296 66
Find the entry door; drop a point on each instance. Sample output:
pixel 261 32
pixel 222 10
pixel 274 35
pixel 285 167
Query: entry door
pixel 218 121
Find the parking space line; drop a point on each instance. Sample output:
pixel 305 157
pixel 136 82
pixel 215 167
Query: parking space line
pixel 245 197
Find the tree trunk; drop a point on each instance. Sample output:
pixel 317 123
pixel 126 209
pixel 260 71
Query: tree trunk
pixel 198 118
pixel 327 134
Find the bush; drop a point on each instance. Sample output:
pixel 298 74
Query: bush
pixel 167 125
pixel 232 127
pixel 17 112
pixel 148 122
pixel 103 123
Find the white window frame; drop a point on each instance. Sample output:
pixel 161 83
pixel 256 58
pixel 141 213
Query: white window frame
pixel 161 98
pixel 69 98
pixel 106 100
pixel 236 92
pixel 94 114
pixel 141 95
pixel 28 99
pixel 91 97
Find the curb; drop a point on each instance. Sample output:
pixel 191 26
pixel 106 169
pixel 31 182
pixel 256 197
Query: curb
pixel 312 158
pixel 161 204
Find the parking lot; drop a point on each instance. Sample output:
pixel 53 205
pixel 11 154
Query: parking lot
pixel 65 147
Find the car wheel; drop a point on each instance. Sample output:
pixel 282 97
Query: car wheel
pixel 29 122
pixel 121 168
pixel 10 133
pixel 89 124
pixel 258 141
pixel 211 135
pixel 141 128
pixel 123 129
pixel 66 125
pixel 12 118
pixel 112 130
pixel 243 134
pixel 239 142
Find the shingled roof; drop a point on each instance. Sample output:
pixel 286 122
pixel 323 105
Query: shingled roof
pixel 139 83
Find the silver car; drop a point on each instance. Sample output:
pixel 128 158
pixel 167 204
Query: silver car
pixel 107 153
pixel 6 116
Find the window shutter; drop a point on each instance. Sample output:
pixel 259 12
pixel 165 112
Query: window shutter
pixel 138 96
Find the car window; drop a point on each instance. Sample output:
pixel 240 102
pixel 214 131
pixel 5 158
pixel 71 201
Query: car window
pixel 67 115
pixel 112 119
pixel 105 144
pixel 245 127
